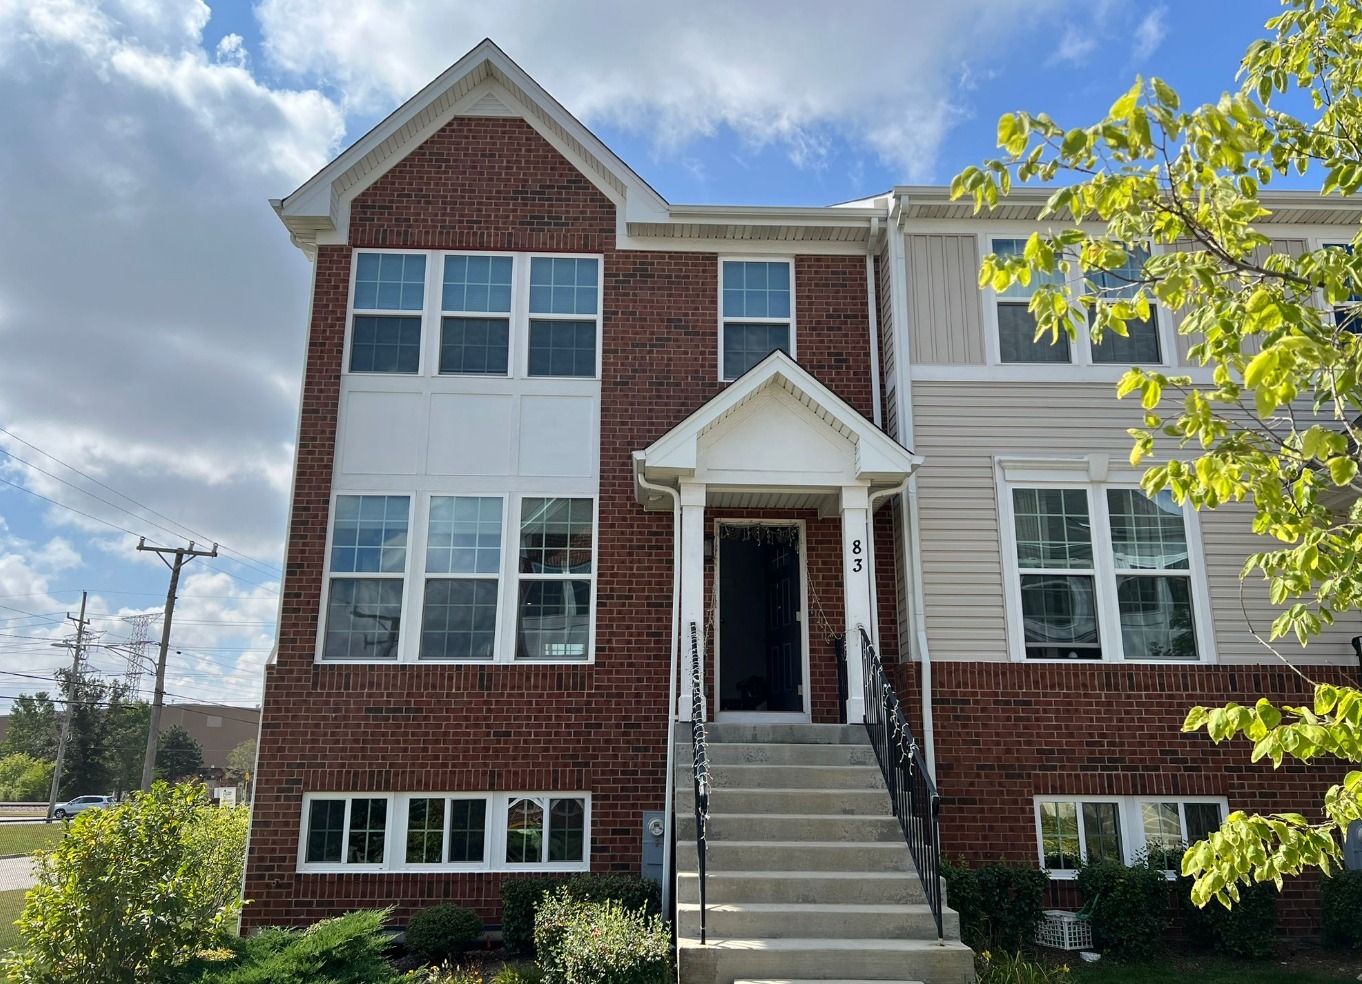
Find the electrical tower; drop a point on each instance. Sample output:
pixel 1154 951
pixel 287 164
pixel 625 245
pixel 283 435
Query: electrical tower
pixel 137 645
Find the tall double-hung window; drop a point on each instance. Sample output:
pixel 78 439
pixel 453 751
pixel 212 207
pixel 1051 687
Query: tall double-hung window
pixel 476 314
pixel 757 313
pixel 1102 573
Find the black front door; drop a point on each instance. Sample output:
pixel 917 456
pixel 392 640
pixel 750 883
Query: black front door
pixel 760 625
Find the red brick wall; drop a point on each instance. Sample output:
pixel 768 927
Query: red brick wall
pixel 1006 732
pixel 494 184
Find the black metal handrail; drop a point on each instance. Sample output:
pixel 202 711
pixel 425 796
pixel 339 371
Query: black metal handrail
pixel 911 789
pixel 701 764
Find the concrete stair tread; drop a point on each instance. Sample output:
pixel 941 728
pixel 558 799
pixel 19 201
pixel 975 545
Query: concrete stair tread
pixel 793 980
pixel 809 844
pixel 849 908
pixel 805 875
pixel 824 944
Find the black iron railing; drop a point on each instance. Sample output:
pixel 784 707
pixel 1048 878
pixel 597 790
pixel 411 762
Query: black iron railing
pixel 701 764
pixel 916 803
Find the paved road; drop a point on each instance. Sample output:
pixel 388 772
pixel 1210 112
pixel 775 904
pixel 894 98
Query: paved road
pixel 16 873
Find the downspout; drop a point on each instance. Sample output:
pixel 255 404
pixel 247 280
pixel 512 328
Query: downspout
pixel 912 530
pixel 872 310
pixel 675 666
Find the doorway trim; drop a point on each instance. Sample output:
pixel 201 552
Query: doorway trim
pixel 767 717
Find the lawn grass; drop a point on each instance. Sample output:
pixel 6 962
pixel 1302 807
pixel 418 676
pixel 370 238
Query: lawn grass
pixel 11 904
pixel 25 838
pixel 1209 971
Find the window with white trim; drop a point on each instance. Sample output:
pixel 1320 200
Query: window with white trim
pixel 451 549
pixel 1101 573
pixel 757 313
pixel 1016 324
pixel 530 831
pixel 1347 314
pixel 1076 830
pixel 498 314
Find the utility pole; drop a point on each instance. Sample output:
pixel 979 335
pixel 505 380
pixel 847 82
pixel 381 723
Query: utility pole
pixel 70 704
pixel 182 554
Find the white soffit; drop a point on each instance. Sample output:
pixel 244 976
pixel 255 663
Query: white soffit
pixel 880 459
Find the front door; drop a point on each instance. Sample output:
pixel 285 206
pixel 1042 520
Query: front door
pixel 761 644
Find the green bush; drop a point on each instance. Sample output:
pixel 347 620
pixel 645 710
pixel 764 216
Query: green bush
pixel 1342 897
pixel 1247 930
pixel 24 778
pixel 581 942
pixel 443 931
pixel 450 974
pixel 520 898
pixel 518 975
pixel 131 892
pixel 1131 915
pixel 346 950
pixel 999 904
pixel 1013 968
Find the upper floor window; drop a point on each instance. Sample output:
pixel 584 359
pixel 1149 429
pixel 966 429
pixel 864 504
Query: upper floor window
pixel 1017 340
pixel 1348 314
pixel 498 314
pixel 1102 573
pixel 757 313
pixel 450 549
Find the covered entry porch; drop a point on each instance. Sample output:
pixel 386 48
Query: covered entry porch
pixel 773 485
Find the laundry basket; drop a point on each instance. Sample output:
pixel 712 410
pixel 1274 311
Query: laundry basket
pixel 1064 931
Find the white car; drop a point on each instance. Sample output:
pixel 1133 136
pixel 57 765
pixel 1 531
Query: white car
pixel 64 810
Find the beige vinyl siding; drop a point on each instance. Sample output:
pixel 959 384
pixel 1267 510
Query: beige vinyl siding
pixel 889 373
pixel 945 323
pixel 1291 247
pixel 960 427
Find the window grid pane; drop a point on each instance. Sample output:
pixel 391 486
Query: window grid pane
pixel 475 346
pixel 368 825
pixel 553 619
pixel 385 344
pixel 756 289
pixel 363 618
pixel 1121 282
pixel 390 282
pixel 567 829
pixel 555 536
pixel 1059 617
pixel 1016 247
pixel 562 348
pixel 325 831
pixel 1203 819
pixel 477 283
pixel 467 830
pixel 746 345
pixel 425 831
pixel 1102 832
pixel 459 619
pixel 369 534
pixel 563 285
pixel 1162 827
pixel 1147 533
pixel 1017 340
pixel 1059 835
pixel 1156 617
pixel 464 535
pixel 1140 346
pixel 524 832
pixel 1054 531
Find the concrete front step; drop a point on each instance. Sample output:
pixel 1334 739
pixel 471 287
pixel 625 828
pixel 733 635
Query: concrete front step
pixel 825 959
pixel 793 827
pixel 850 887
pixel 770 776
pixel 858 802
pixel 732 732
pixel 789 753
pixel 790 981
pixel 784 920
pixel 768 855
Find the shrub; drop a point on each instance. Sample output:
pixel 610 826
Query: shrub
pixel 1005 968
pixel 520 899
pixel 529 974
pixel 1342 897
pixel 443 931
pixel 1247 930
pixel 346 950
pixel 600 943
pixel 999 904
pixel 131 892
pixel 1131 915
pixel 450 974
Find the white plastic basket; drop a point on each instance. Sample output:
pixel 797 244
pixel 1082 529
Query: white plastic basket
pixel 1063 931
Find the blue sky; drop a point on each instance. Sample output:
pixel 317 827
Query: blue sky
pixel 152 309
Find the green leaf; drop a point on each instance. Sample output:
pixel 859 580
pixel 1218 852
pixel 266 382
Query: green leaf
pixel 1342 470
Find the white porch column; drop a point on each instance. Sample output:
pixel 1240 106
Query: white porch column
pixel 856 576
pixel 692 586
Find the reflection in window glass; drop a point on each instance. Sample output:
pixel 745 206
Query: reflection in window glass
pixel 325 831
pixel 1059 836
pixel 524 832
pixel 1102 832
pixel 368 826
pixel 425 831
pixel 567 829
pixel 467 830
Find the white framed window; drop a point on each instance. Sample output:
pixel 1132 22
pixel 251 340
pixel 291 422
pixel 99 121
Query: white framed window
pixel 756 312
pixel 476 831
pixel 1347 315
pixel 441 563
pixel 1075 830
pixel 1014 326
pixel 345 831
pixel 1098 570
pixel 492 314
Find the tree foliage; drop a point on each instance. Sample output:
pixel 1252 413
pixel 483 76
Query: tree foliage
pixel 1275 421
pixel 24 779
pixel 241 761
pixel 33 727
pixel 178 754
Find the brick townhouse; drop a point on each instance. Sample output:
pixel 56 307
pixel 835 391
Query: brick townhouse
pixel 558 434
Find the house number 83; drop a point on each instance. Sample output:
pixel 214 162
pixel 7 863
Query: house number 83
pixel 857 561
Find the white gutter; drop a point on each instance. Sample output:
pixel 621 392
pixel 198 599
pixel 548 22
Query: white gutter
pixel 872 309
pixel 912 529
pixel 672 686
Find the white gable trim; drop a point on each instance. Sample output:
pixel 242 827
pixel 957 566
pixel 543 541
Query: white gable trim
pixel 879 460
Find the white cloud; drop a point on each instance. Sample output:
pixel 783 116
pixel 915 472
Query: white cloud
pixel 1075 47
pixel 797 78
pixel 1149 34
